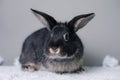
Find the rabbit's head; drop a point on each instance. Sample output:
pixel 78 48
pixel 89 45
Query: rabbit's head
pixel 63 40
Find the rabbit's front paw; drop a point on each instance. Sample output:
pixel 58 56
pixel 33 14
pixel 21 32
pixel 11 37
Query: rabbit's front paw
pixel 30 67
pixel 80 70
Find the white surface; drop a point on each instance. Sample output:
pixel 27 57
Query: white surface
pixel 91 73
pixel 110 61
pixel 16 62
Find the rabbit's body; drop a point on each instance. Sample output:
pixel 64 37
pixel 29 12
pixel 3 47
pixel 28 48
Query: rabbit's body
pixel 33 47
pixel 33 52
pixel 56 49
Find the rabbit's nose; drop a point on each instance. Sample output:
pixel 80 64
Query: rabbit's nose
pixel 54 51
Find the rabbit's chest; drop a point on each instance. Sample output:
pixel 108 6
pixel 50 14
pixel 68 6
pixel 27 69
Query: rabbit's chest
pixel 64 65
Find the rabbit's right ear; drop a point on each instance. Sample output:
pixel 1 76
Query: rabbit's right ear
pixel 46 19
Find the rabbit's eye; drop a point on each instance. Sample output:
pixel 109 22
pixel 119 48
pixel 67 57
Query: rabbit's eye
pixel 66 36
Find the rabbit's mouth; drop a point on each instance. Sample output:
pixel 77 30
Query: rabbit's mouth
pixel 56 53
pixel 57 57
pixel 65 56
pixel 60 56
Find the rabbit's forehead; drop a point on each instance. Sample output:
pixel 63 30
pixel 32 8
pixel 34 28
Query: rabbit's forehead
pixel 60 29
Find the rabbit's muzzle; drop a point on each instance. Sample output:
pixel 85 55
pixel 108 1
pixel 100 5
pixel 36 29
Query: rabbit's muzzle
pixel 55 51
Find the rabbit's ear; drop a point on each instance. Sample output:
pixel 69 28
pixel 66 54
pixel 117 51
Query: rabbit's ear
pixel 80 21
pixel 46 19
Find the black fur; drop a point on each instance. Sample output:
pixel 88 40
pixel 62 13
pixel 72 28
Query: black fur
pixel 36 46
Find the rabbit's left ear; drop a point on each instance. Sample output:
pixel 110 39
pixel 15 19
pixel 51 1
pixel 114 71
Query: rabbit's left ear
pixel 80 21
pixel 46 19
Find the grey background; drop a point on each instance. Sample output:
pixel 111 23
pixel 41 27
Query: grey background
pixel 100 37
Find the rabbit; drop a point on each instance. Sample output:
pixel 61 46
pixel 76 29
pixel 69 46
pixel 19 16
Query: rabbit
pixel 56 47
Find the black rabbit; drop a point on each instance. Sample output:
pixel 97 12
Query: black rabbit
pixel 55 48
